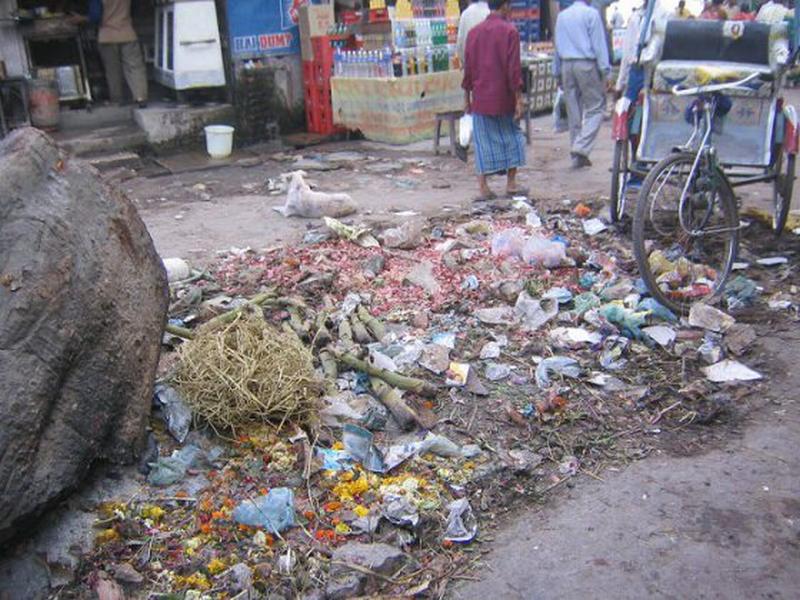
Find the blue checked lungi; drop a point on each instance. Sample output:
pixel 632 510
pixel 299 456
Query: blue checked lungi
pixel 499 144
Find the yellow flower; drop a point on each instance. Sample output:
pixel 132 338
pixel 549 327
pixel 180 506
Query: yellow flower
pixel 195 580
pixel 154 513
pixel 342 529
pixel 107 535
pixel 216 566
pixel 338 446
pixel 361 511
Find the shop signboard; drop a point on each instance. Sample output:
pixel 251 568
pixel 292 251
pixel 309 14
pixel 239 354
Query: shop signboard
pixel 263 27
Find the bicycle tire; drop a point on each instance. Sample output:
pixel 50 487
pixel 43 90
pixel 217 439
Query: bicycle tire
pixel 617 203
pixel 731 215
pixel 782 189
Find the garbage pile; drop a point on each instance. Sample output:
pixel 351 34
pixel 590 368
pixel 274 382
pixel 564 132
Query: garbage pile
pixel 462 368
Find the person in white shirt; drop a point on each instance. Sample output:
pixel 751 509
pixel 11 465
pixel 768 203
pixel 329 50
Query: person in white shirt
pixel 617 22
pixel 773 12
pixel 473 15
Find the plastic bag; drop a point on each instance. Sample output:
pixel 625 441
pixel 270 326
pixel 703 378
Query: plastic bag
pixel 508 243
pixel 465 130
pixel 273 512
pixel 540 250
pixel 560 123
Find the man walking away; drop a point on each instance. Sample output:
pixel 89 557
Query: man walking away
pixel 581 64
pixel 493 94
pixel 473 15
pixel 120 52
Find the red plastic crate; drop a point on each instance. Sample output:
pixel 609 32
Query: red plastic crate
pixel 323 51
pixel 309 72
pixel 349 17
pixel 378 15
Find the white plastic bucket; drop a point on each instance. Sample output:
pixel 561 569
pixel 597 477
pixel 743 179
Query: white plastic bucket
pixel 219 140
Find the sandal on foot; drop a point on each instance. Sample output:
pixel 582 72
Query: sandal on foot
pixel 518 192
pixel 485 197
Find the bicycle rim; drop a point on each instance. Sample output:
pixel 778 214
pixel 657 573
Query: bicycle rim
pixel 685 259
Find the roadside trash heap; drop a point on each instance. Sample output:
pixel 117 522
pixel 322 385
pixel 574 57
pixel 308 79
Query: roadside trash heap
pixel 345 417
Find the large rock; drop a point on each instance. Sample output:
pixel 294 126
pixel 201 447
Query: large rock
pixel 83 300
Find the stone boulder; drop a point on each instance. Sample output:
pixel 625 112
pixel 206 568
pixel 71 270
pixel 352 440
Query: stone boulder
pixel 83 301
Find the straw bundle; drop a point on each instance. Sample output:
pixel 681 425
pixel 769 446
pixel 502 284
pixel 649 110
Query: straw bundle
pixel 235 373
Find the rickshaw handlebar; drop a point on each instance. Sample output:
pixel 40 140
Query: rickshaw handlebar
pixel 718 87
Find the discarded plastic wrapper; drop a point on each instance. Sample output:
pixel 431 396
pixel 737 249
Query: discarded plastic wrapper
pixel 462 526
pixel 535 313
pixel 593 226
pixel 358 443
pixel 457 374
pixel 540 250
pixel 560 294
pixel 167 470
pixel 569 466
pixel 532 220
pixel 614 347
pixel 274 512
pixel 360 236
pixel 656 309
pixel 334 460
pixel 772 261
pixel 710 318
pixel 381 361
pixel 446 339
pixel 629 322
pixel 574 337
pixel 729 371
pixel 660 334
pixel 508 243
pixel 562 365
pixel 501 315
pixel 399 511
pixel 585 302
pixel 177 416
pixel 496 371
pixel 470 283
pixel 490 350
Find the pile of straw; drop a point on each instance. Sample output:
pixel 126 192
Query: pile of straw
pixel 245 371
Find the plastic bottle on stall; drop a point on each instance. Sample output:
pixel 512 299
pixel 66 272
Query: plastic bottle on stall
pixel 429 59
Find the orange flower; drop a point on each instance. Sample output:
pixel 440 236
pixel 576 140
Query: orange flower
pixel 181 494
pixel 263 491
pixel 335 521
pixel 447 544
pixel 269 540
pixel 309 514
pixel 217 514
pixel 332 506
pixel 229 502
pixel 205 528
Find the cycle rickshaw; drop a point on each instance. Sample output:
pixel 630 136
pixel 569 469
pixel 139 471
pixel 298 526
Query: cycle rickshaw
pixel 713 119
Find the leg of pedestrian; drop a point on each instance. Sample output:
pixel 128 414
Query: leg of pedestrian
pixel 593 100
pixel 572 101
pixel 134 70
pixel 112 65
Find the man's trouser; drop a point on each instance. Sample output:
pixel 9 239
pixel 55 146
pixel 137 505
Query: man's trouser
pixel 586 100
pixel 124 59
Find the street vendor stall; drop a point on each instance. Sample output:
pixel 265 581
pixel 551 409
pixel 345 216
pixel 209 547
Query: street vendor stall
pixel 395 110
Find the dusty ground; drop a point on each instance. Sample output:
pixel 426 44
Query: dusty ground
pixel 722 521
pixel 718 524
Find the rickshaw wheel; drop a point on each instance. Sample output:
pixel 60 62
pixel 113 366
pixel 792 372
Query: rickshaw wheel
pixel 782 189
pixel 657 232
pixel 619 177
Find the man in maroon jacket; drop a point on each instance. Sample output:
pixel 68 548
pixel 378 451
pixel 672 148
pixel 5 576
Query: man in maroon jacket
pixel 493 94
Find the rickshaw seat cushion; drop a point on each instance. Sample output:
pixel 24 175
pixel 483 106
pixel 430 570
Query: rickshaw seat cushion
pixel 725 41
pixel 689 73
